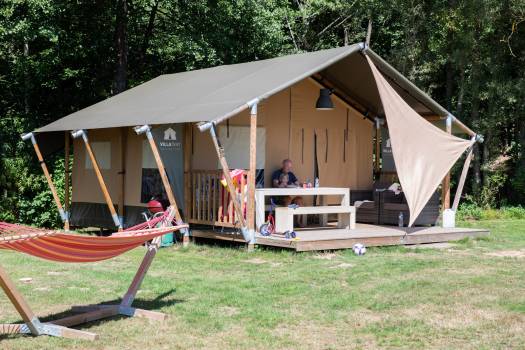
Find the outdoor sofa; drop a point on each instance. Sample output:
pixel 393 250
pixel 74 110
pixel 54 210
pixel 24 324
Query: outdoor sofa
pixel 382 207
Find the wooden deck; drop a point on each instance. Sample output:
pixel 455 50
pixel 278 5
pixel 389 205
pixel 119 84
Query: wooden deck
pixel 369 235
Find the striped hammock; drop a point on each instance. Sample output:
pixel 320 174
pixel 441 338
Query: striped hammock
pixel 61 246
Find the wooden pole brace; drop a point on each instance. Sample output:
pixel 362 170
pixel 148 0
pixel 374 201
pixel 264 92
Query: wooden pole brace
pixel 63 215
pixel 253 168
pixel 463 176
pixel 102 183
pixel 378 123
pixel 66 178
pixel 32 324
pixel 146 129
pixel 248 236
pixel 19 302
pixel 445 188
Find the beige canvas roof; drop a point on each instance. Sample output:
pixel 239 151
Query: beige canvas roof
pixel 217 93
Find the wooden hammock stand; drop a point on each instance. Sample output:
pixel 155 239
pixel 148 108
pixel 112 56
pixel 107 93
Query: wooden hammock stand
pixel 60 328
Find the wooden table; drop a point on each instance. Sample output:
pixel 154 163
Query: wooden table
pixel 262 193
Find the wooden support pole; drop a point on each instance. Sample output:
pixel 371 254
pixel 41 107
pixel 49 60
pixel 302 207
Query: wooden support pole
pixel 32 323
pixel 162 171
pixel 377 164
pixel 129 297
pixel 164 177
pixel 462 178
pixel 18 302
pixel 71 321
pixel 188 141
pixel 66 178
pixel 229 184
pixel 253 168
pixel 102 183
pixel 54 192
pixel 445 188
pixel 122 173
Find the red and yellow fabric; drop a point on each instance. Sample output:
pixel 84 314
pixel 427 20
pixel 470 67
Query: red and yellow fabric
pixel 75 248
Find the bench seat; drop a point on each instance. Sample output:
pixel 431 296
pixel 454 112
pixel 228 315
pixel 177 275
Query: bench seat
pixel 284 216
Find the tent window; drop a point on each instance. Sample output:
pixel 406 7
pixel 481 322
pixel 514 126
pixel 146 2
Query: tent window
pixel 102 151
pixel 236 143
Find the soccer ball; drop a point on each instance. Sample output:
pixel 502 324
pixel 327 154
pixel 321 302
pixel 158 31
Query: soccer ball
pixel 359 249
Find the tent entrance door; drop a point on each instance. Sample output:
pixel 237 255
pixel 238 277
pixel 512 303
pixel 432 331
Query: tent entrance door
pixel 170 143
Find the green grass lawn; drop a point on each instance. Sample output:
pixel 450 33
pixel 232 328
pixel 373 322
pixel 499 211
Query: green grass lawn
pixel 468 296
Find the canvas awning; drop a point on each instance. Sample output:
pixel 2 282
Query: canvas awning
pixel 215 94
pixel 423 153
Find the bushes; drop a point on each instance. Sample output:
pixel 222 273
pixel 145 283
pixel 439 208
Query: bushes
pixel 26 197
pixel 470 211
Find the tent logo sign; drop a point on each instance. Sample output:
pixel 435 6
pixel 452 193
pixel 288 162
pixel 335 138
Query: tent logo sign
pixel 170 135
pixel 170 140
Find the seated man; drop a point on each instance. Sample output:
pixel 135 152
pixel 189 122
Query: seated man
pixel 285 178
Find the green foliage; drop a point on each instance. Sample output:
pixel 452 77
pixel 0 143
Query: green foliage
pixel 57 57
pixel 29 199
pixel 471 211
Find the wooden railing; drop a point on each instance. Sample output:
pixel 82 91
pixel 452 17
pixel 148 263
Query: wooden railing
pixel 210 202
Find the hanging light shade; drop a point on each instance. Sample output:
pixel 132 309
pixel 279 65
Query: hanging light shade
pixel 324 102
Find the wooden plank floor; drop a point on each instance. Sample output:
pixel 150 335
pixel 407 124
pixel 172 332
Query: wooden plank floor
pixel 369 235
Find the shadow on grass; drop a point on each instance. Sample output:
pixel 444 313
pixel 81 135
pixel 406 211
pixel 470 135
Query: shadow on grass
pixel 156 304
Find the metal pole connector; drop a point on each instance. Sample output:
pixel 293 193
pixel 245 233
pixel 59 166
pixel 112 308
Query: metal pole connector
pixel 252 104
pixel 79 133
pixel 142 129
pixel 29 136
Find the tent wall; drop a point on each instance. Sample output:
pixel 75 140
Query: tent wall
pixel 291 122
pixel 85 185
pixel 291 127
pixel 88 205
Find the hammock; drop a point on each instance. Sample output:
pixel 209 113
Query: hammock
pixel 61 246
pixel 66 247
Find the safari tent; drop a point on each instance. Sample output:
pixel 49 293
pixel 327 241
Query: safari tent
pixel 178 136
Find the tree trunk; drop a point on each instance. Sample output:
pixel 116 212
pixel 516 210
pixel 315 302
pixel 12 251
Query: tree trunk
pixel 449 85
pixel 121 44
pixel 476 176
pixel 521 135
pixel 461 93
pixel 486 157
pixel 27 79
pixel 147 36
